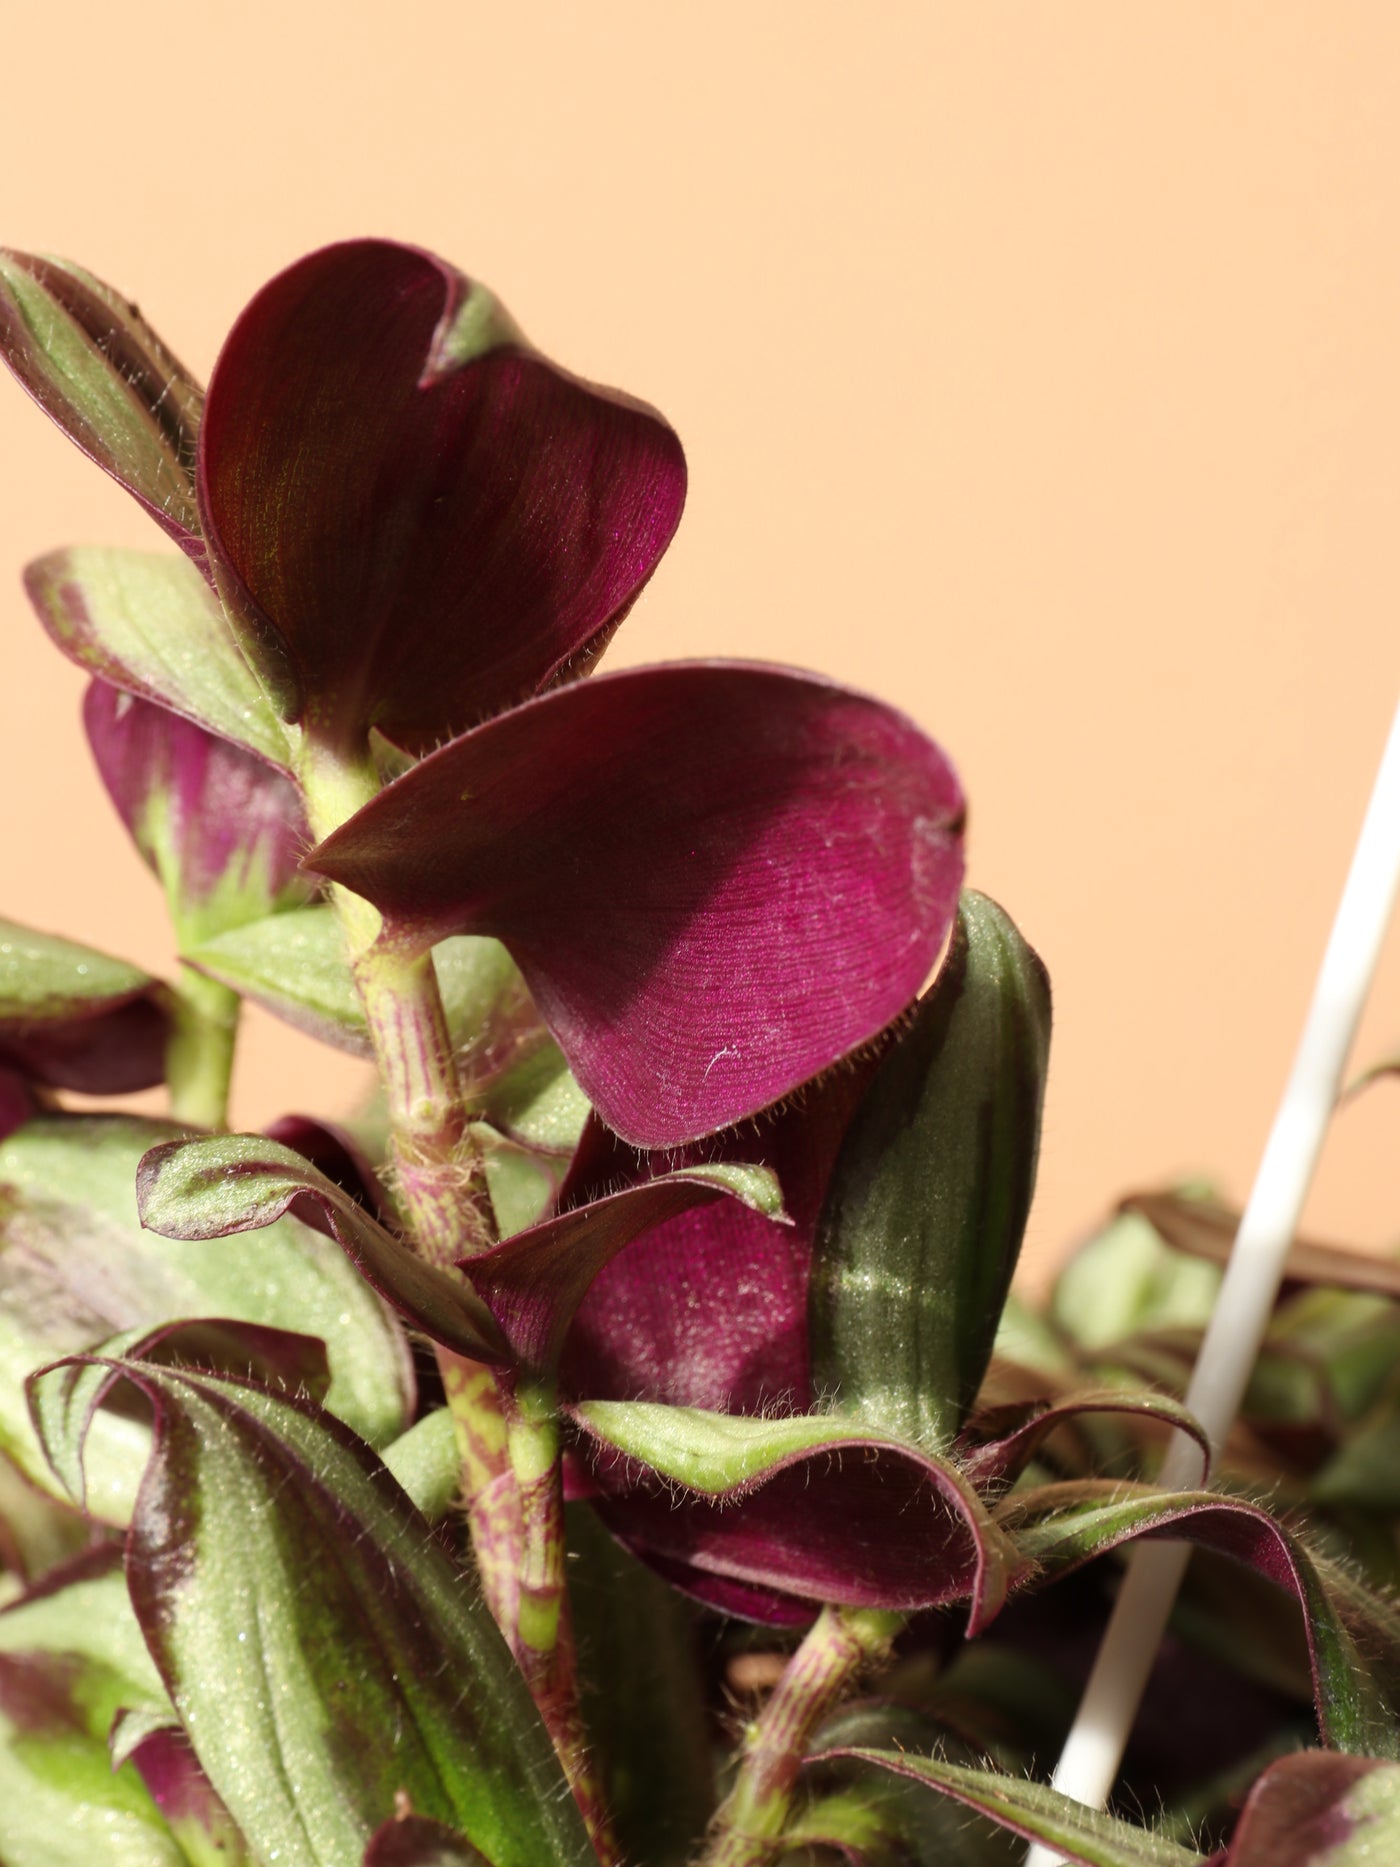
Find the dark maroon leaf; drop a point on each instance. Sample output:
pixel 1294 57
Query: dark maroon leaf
pixel 417 518
pixel 715 877
pixel 996 1446
pixel 333 1151
pixel 17 1101
pixel 709 1307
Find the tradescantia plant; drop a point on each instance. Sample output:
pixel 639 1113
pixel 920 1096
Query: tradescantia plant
pixel 596 1452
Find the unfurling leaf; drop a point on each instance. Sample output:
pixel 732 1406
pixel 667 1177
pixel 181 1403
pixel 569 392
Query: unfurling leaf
pixel 930 1193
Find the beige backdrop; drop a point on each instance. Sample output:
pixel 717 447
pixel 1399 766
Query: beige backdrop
pixel 1037 366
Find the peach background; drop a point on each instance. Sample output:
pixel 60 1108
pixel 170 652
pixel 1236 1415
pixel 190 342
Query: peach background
pixel 1037 367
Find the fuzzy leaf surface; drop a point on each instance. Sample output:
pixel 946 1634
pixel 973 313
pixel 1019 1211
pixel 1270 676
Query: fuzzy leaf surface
pixel 1034 1811
pixel 929 1197
pixel 94 365
pixel 806 1504
pixel 1353 1633
pixel 536 1281
pixel 211 1188
pixel 311 1708
pixel 76 1266
pixel 150 625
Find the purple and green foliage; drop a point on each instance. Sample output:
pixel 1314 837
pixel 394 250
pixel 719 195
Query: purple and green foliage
pixel 706 1134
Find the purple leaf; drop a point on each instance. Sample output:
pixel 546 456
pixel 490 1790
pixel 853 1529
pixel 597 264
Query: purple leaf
pixel 807 1506
pixel 1316 1809
pixel 17 1101
pixel 709 1307
pixel 224 832
pixel 716 877
pixel 92 362
pixel 417 519
pixel 535 1281
pixel 333 1151
pixel 1061 1527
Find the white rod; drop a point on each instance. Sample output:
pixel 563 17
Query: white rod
pixel 1094 1748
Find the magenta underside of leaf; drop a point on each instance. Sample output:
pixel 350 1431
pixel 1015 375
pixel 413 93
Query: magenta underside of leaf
pixel 1296 1815
pixel 105 1049
pixel 230 817
pixel 716 877
pixel 448 537
pixel 707 1308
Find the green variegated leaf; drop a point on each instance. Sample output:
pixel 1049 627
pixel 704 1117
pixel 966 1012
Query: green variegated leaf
pixel 237 1183
pixel 1353 1633
pixel 77 1266
pixel 150 625
pixel 294 964
pixel 71 1659
pixel 275 1566
pixel 882 1820
pixel 1034 1811
pixel 43 976
pixel 1126 1281
pixel 928 1200
pixel 91 361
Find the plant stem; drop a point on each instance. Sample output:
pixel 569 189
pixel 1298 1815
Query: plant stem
pixel 839 1647
pixel 1094 1748
pixel 543 1638
pixel 508 1444
pixel 437 1177
pixel 199 1055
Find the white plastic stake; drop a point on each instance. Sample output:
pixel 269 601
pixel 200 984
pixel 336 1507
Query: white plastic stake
pixel 1094 1748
